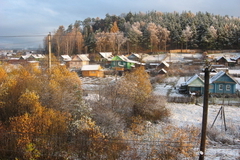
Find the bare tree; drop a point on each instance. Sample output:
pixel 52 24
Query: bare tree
pixel 163 35
pixel 152 30
pixel 120 40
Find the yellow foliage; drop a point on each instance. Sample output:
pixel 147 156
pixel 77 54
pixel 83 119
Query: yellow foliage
pixel 114 28
pixel 3 74
pixel 136 85
pixel 29 99
pixel 137 125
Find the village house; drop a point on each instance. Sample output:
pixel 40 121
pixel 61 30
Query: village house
pixel 78 61
pixel 220 83
pixel 163 65
pixel 121 63
pixel 236 59
pixel 106 56
pixel 227 61
pixel 193 85
pixel 65 60
pixel 223 83
pixel 92 71
pixel 134 57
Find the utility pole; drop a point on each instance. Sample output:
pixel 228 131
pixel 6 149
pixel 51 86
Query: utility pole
pixel 49 51
pixel 207 71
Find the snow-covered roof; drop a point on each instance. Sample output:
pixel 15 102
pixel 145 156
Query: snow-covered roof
pixel 135 54
pixel 83 57
pixel 66 58
pixel 193 78
pixel 228 59
pixel 91 67
pixel 162 70
pixel 218 75
pixel 235 58
pixel 36 56
pixel 124 58
pixel 25 56
pixel 106 55
pixel 165 63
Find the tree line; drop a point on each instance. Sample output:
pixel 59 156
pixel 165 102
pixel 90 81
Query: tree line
pixel 148 32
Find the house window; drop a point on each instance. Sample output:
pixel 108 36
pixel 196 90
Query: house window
pixel 228 87
pixel 220 87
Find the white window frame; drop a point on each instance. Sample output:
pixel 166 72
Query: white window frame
pixel 220 87
pixel 228 87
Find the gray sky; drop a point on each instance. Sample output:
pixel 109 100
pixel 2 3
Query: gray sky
pixel 29 20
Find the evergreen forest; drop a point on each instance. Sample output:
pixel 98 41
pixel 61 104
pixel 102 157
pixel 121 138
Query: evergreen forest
pixel 153 31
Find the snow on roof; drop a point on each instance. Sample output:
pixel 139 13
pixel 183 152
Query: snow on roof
pixel 193 78
pixel 38 55
pixel 83 57
pixel 217 76
pixel 162 70
pixel 90 67
pixel 33 55
pixel 228 59
pixel 136 55
pixel 124 58
pixel 25 56
pixel 235 58
pixel 66 57
pixel 106 55
pixel 165 63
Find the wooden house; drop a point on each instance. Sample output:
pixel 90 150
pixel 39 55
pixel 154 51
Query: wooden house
pixel 134 57
pixel 105 56
pixel 236 59
pixel 164 65
pixel 92 71
pixel 122 63
pixel 225 61
pixel 223 83
pixel 162 71
pixel 78 61
pixel 32 57
pixel 105 59
pixel 65 60
pixel 193 85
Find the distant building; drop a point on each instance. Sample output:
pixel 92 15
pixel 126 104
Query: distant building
pixel 78 61
pixel 134 57
pixel 106 56
pixel 227 61
pixel 122 63
pixel 92 71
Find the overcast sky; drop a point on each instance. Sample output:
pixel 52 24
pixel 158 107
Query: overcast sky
pixel 29 20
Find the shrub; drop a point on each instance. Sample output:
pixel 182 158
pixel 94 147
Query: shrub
pixel 152 109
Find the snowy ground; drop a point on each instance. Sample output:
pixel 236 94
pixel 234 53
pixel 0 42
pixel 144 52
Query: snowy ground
pixel 190 114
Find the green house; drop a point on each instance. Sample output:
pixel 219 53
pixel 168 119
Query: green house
pixel 122 63
pixel 193 85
